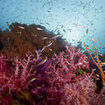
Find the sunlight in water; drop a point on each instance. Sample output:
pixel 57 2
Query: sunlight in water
pixel 76 20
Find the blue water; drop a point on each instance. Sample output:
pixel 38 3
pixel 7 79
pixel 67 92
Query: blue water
pixel 76 20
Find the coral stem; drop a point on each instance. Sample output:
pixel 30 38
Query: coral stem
pixel 97 64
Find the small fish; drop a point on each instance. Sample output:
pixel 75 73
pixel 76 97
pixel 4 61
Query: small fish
pixel 39 28
pixel 100 54
pixel 93 40
pixel 87 31
pixel 50 43
pixel 63 8
pixel 55 30
pixel 44 38
pixel 42 62
pixel 50 49
pixel 97 78
pixel 64 30
pixel 47 23
pixel 33 34
pixel 94 69
pixel 17 16
pixel 21 27
pixel 7 23
pixel 19 32
pixel 103 64
pixel 97 75
pixel 70 30
pixel 38 87
pixel 32 79
pixel 91 23
pixel 48 11
pixel 56 36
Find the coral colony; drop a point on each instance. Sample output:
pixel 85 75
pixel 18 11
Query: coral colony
pixel 63 79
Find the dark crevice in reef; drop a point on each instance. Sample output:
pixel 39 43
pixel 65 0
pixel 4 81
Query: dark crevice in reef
pixel 23 38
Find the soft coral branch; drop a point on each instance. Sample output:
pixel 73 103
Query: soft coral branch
pixel 81 92
pixel 59 73
pixel 97 63
pixel 16 75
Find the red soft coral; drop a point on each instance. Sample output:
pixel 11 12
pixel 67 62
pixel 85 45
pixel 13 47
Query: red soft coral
pixel 80 92
pixel 67 63
pixel 16 75
pixel 55 81
pixel 67 88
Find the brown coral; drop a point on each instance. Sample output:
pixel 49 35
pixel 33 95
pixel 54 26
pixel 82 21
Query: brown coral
pixel 23 38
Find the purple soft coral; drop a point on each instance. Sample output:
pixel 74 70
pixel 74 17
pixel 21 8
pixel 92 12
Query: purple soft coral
pixel 58 83
pixel 51 81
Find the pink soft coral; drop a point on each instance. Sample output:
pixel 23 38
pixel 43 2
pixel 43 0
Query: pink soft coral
pixel 80 92
pixel 67 63
pixel 52 81
pixel 67 88
pixel 15 74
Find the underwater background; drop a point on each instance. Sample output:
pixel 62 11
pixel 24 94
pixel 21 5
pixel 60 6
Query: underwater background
pixel 75 20
pixel 52 52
